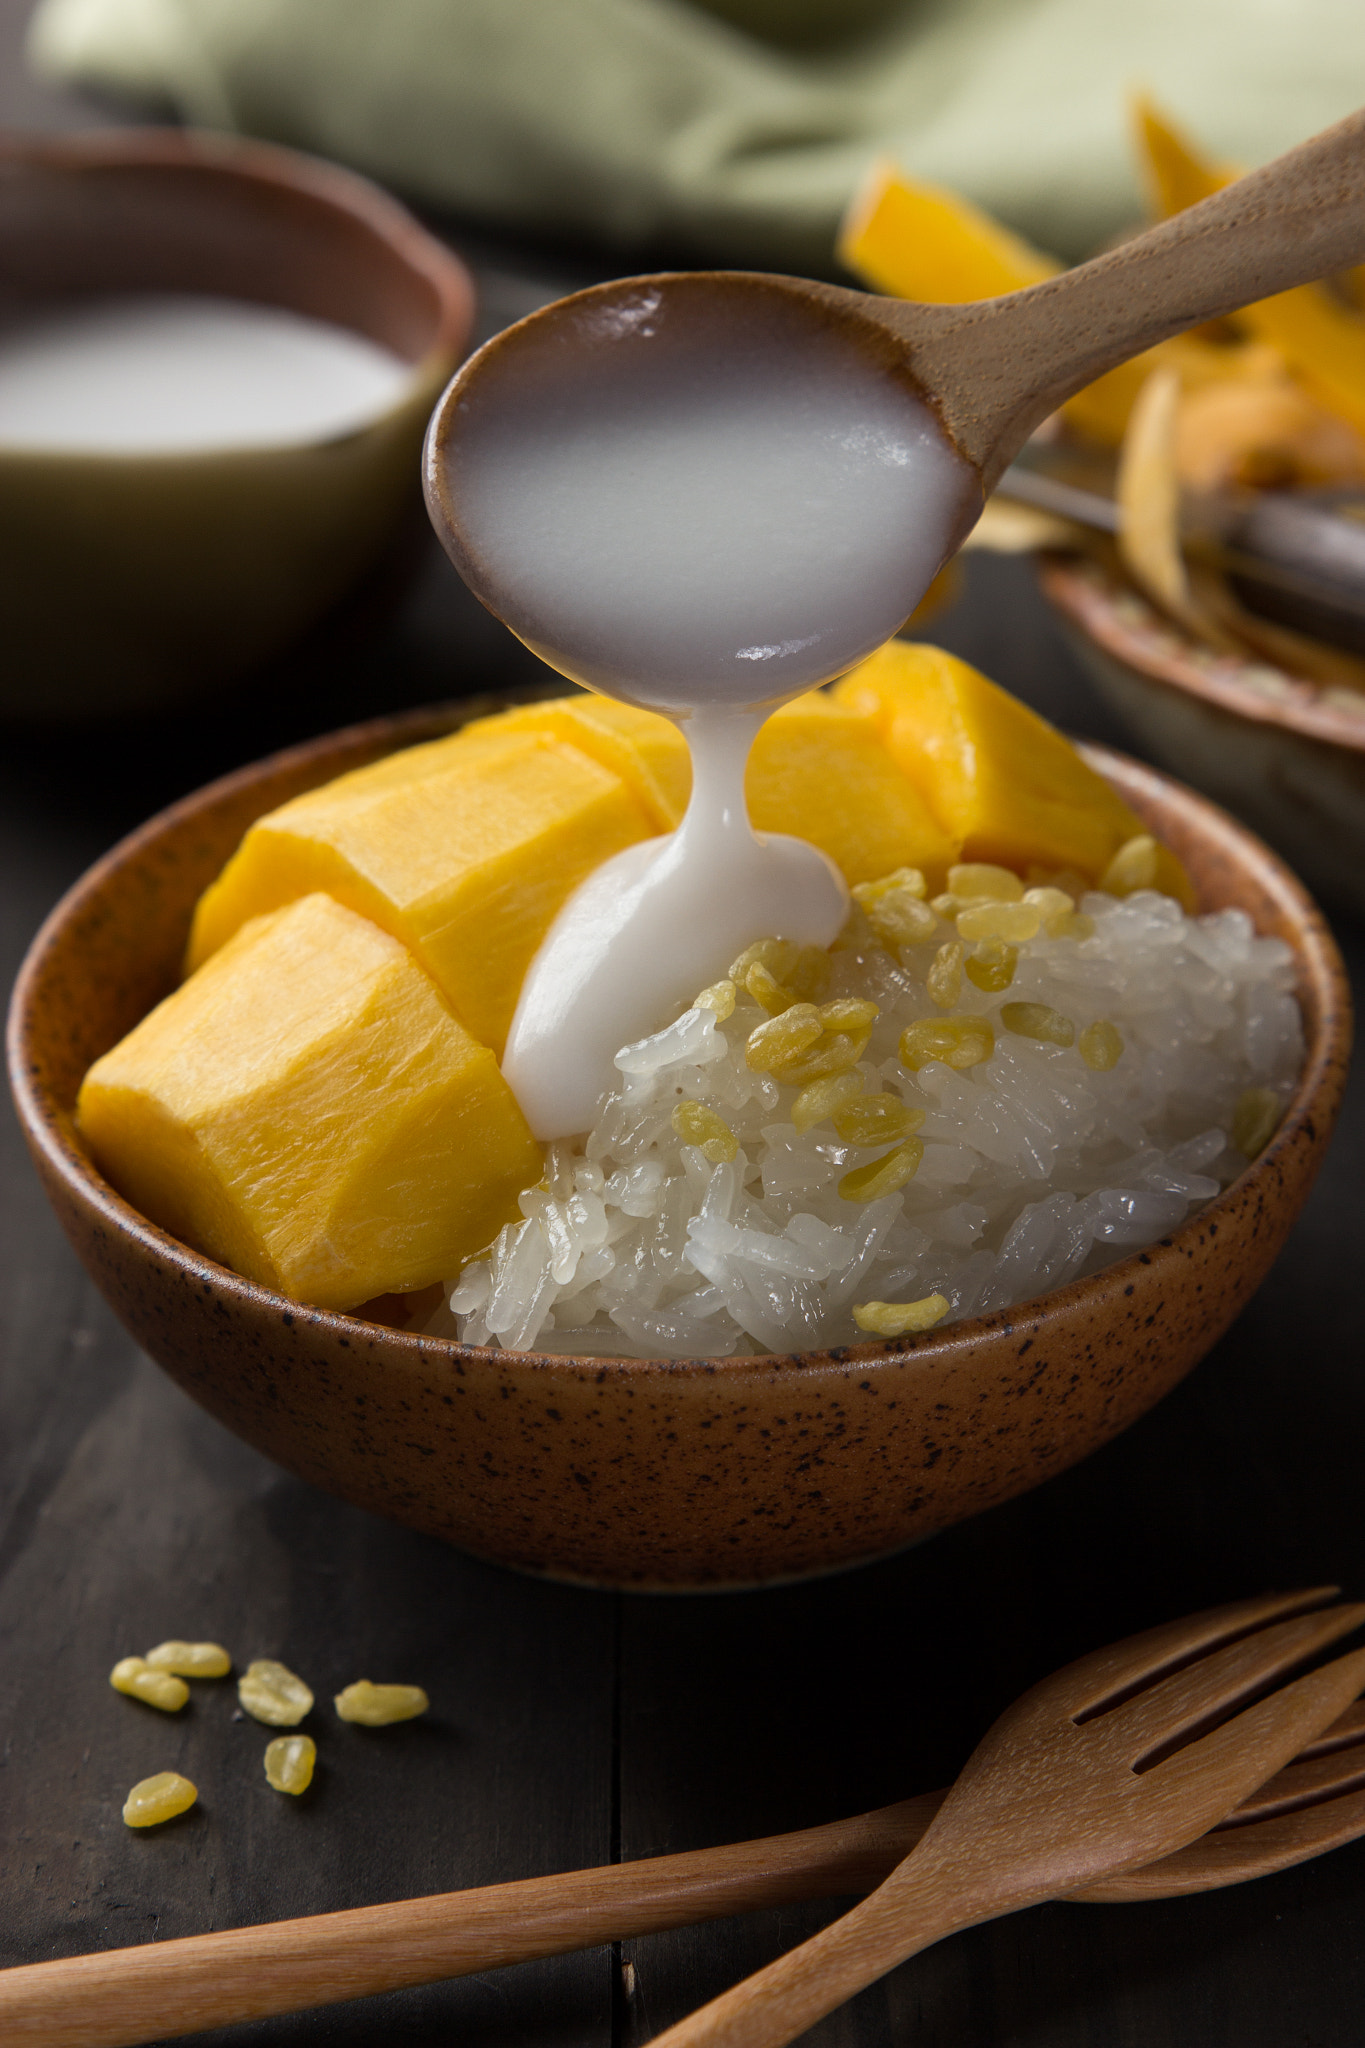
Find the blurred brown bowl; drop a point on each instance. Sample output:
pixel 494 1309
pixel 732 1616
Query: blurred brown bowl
pixel 129 581
pixel 1285 755
pixel 646 1472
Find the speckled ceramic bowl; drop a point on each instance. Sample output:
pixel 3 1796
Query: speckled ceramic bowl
pixel 645 1472
pixel 1286 755
pixel 130 580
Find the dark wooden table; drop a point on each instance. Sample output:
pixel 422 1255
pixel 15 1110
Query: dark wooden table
pixel 571 1727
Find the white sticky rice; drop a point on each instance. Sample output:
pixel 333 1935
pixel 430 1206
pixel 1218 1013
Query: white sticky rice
pixel 1035 1168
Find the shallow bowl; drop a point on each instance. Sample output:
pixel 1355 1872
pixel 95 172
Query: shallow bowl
pixel 646 1472
pixel 130 580
pixel 1286 755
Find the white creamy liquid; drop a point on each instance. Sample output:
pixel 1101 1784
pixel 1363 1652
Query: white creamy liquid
pixel 149 373
pixel 705 512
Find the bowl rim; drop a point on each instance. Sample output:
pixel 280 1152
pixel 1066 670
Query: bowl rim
pixel 50 1131
pixel 1085 593
pixel 277 167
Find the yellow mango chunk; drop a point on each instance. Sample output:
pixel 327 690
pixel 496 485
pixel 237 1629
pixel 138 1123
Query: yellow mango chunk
pixel 466 857
pixel 306 1110
pixel 1004 783
pixel 820 770
pixel 647 751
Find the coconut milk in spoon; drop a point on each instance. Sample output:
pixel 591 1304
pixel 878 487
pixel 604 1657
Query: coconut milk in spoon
pixel 704 508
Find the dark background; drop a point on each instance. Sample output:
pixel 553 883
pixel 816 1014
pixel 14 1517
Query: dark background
pixel 571 1727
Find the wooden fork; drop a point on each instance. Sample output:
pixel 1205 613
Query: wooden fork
pixel 1116 1761
pixel 175 1987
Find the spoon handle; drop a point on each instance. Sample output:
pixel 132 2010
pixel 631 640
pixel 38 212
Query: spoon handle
pixel 164 1988
pixel 1002 365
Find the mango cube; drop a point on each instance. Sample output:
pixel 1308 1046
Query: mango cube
pixel 306 1110
pixel 466 857
pixel 647 751
pixel 1006 785
pixel 820 770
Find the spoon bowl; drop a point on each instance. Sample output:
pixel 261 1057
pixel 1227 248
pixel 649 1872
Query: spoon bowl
pixel 728 487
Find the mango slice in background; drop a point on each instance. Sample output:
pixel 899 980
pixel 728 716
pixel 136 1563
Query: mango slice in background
pixel 1321 339
pixel 916 241
pixel 467 863
pixel 820 769
pixel 306 1110
pixel 1003 782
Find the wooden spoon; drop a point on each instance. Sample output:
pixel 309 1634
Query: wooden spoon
pixel 992 370
pixel 1101 1768
pixel 175 1987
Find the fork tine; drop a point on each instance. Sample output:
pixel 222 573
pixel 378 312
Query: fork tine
pixel 1178 1706
pixel 1350 1728
pixel 1107 1676
pixel 1233 1855
pixel 1245 1751
pixel 1302 1784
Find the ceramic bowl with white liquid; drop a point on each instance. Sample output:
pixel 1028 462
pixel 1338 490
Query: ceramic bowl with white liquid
pixel 217 360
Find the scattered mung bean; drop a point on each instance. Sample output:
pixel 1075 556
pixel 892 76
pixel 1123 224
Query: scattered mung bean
pixel 272 1693
pixel 374 1706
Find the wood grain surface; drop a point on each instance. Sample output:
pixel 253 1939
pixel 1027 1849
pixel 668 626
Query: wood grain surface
pixel 569 1727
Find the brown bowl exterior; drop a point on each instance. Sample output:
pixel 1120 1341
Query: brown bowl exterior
pixel 191 568
pixel 1283 754
pixel 639 1472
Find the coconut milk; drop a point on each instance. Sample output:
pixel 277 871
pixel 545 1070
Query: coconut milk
pixel 706 523
pixel 152 373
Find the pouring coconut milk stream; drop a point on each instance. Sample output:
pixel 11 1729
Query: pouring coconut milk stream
pixel 704 516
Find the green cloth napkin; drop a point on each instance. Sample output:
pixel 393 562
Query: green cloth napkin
pixel 736 130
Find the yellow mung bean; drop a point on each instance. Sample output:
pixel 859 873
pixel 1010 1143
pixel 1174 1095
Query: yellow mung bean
pixel 1100 1045
pixel 991 967
pixel 374 1706
pixel 944 979
pixel 272 1693
pixel 895 908
pixel 1038 1021
pixel 137 1678
pixel 783 1040
pixel 767 991
pixel 883 1176
pixel 159 1798
pixel 697 1125
pixel 838 1052
pixel 1255 1121
pixel 820 1098
pixel 1134 866
pixel 899 1318
pixel 777 955
pixel 900 882
pixel 876 1120
pixel 1055 908
pixel 957 1041
pixel 289 1762
pixel 984 878
pixel 849 1013
pixel 190 1660
pixel 720 997
pixel 989 920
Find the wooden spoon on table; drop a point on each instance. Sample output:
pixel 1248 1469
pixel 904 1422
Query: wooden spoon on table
pixel 1124 1757
pixel 175 1987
